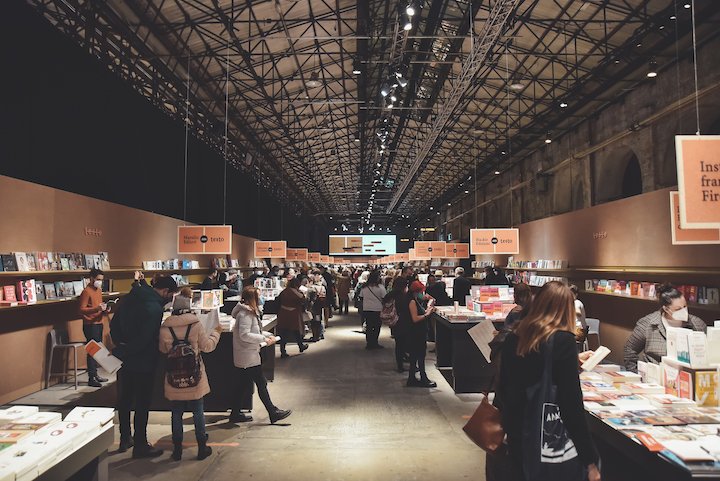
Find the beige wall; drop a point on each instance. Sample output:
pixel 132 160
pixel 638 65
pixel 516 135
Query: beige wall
pixel 39 218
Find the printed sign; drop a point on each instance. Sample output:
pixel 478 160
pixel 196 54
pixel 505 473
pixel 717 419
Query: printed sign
pixel 324 259
pixel 313 257
pixel 297 255
pixel 272 249
pixel 428 249
pixel 207 239
pixel 688 236
pixel 402 257
pixel 698 166
pixel 457 251
pixel 494 241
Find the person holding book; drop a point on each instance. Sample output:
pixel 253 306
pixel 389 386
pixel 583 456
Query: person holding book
pixel 183 325
pixel 399 296
pixel 417 334
pixel 135 330
pixel 93 310
pixel 648 341
pixel 247 339
pixel 539 352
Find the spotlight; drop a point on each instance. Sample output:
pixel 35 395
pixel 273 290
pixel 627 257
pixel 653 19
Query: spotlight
pixel 687 5
pixel 385 90
pixel 356 68
pixel 408 24
pixel 402 81
pixel 431 208
pixel 314 80
pixel 563 104
pixel 393 98
pixel 467 191
pixel 410 9
pixel 548 139
pixel 497 172
pixel 652 69
pixel 517 86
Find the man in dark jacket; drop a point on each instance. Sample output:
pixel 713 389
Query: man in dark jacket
pixel 461 286
pixel 330 281
pixel 135 328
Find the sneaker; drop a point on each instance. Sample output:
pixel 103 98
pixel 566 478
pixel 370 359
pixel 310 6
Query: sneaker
pixel 147 451
pixel 125 444
pixel 279 415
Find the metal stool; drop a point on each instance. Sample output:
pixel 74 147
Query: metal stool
pixel 593 328
pixel 59 340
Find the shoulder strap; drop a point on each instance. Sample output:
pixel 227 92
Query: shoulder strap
pixel 172 333
pixel 373 293
pixel 187 333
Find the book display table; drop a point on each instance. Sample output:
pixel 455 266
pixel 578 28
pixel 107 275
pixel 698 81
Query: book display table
pixel 456 351
pixel 89 462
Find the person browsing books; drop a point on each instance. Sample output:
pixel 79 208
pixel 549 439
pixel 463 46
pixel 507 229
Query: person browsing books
pixel 372 295
pixel 185 390
pixel 461 286
pixel 212 281
pixel 93 310
pixel 538 355
pixel 135 330
pixel 648 341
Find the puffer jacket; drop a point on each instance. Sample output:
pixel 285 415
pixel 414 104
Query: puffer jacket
pixel 200 341
pixel 247 336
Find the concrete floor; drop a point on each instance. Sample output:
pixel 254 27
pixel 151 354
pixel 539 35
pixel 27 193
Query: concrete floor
pixel 353 419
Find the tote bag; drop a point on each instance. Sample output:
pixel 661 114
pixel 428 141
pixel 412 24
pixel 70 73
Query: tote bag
pixel 548 452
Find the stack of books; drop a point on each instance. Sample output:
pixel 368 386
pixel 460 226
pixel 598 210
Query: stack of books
pixel 53 261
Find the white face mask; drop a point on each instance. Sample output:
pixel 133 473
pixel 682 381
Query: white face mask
pixel 681 315
pixel 98 284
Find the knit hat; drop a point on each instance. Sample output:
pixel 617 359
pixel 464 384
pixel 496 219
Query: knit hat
pixel 180 302
pixel 416 287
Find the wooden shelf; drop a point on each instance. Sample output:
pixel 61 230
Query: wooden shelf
pixel 691 305
pixel 50 302
pixel 659 271
pixel 129 271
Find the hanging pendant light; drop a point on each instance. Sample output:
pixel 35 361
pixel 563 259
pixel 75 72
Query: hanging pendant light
pixel 314 80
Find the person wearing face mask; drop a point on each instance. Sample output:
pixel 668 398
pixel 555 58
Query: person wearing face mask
pixel 417 335
pixel 93 310
pixel 648 340
pixel 135 330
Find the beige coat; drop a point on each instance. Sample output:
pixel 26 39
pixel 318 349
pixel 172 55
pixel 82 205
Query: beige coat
pixel 200 341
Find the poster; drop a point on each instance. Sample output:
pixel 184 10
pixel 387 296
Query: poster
pixel 688 236
pixel 698 168
pixel 494 241
pixel 208 239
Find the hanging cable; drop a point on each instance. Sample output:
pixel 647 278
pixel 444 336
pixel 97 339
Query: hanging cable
pixel 227 104
pixel 695 68
pixel 187 129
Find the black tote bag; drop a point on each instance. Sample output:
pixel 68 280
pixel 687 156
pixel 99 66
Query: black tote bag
pixel 548 452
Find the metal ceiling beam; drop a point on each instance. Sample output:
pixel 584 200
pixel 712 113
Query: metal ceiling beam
pixel 493 28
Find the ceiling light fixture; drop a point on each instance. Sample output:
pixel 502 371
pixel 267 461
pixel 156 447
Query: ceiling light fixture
pixel 517 86
pixel 563 104
pixel 402 81
pixel 652 69
pixel 410 9
pixel 408 24
pixel 356 68
pixel 314 80
pixel 548 139
pixel 385 90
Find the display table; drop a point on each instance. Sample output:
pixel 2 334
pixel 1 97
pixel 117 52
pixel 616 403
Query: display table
pixel 88 462
pixel 456 351
pixel 625 460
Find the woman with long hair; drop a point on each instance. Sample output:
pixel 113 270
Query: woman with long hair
pixel 398 296
pixel 541 352
pixel 372 296
pixel 290 322
pixel 247 337
pixel 417 335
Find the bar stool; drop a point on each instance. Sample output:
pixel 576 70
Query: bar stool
pixel 593 328
pixel 59 340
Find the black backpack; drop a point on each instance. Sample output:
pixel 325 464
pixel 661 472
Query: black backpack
pixel 183 364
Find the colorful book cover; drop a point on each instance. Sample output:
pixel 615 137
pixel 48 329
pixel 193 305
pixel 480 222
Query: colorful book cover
pixel 32 262
pixel 26 290
pixel 9 263
pixel 634 288
pixel 50 292
pixel 67 289
pixel 22 262
pixel 104 261
pixel 77 287
pixel 706 388
pixel 9 293
pixel 684 383
pixel 43 264
pixel 39 291
pixel 64 262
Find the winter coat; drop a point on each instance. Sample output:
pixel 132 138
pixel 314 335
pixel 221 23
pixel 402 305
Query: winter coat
pixel 247 336
pixel 135 326
pixel 292 305
pixel 343 287
pixel 200 341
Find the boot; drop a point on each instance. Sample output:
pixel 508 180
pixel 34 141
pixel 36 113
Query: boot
pixel 279 414
pixel 203 449
pixel 177 451
pixel 238 417
pixel 125 444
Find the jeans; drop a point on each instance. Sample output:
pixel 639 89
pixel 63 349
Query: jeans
pixel 247 376
pixel 178 408
pixel 286 335
pixel 372 329
pixel 344 305
pixel 135 389
pixel 400 348
pixel 92 332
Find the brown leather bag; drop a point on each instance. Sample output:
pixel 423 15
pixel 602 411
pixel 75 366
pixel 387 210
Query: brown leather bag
pixel 485 428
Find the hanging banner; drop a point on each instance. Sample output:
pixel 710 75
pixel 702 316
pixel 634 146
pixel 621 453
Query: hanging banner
pixel 313 257
pixel 429 249
pixel 688 236
pixel 494 241
pixel 698 169
pixel 204 239
pixel 272 249
pixel 457 251
pixel 324 259
pixel 297 255
pixel 403 257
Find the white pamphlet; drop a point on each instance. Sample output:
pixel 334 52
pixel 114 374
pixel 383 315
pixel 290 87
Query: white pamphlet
pixel 600 354
pixel 697 345
pixel 264 344
pixel 210 320
pixel 713 345
pixel 482 334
